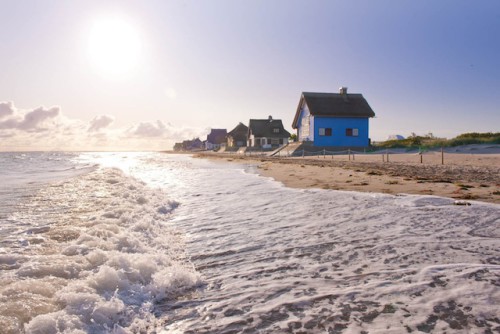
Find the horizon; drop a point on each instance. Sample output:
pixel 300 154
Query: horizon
pixel 129 76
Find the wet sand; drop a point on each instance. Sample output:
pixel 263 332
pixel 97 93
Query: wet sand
pixel 463 176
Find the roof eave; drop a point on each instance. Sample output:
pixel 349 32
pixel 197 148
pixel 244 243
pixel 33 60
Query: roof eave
pixel 297 113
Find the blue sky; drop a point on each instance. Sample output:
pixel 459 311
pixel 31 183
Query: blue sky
pixel 424 66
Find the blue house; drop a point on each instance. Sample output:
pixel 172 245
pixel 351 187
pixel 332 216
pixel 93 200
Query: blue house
pixel 333 119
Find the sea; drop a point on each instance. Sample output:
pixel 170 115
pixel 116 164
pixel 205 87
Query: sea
pixel 147 242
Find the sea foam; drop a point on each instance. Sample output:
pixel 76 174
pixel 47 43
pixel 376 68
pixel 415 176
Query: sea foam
pixel 101 254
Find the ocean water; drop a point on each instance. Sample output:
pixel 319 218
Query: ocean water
pixel 158 243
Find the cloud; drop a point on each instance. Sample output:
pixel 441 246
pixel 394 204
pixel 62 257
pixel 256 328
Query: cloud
pixel 100 122
pixel 6 109
pixel 149 129
pixel 49 129
pixel 35 120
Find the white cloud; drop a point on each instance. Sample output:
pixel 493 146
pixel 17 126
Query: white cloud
pixel 49 129
pixel 100 122
pixel 6 109
pixel 149 129
pixel 35 120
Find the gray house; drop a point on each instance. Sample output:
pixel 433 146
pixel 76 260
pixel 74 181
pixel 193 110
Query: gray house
pixel 215 139
pixel 267 133
pixel 237 137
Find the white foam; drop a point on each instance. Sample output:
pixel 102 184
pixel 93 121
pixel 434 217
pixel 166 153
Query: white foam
pixel 103 266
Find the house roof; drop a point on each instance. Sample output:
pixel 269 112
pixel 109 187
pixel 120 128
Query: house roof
pixel 265 128
pixel 238 130
pixel 217 136
pixel 333 105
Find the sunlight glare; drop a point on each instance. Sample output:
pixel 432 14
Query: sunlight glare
pixel 114 46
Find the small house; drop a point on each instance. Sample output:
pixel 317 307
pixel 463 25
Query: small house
pixel 189 145
pixel 267 133
pixel 237 137
pixel 333 119
pixel 215 139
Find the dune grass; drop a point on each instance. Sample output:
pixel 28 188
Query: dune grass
pixel 429 141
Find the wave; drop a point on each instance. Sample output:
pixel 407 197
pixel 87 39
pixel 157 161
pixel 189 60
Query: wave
pixel 99 258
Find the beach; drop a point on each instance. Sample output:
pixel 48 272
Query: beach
pixel 165 243
pixel 463 176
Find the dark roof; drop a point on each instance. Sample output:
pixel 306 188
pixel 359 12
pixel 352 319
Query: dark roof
pixel 217 136
pixel 334 104
pixel 265 127
pixel 238 130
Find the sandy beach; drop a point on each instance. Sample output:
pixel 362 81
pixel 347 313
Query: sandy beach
pixel 463 176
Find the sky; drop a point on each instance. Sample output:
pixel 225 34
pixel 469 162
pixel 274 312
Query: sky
pixel 141 75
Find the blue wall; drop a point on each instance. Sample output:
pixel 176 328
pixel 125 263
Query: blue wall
pixel 339 126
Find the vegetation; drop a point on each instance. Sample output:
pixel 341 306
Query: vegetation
pixel 429 141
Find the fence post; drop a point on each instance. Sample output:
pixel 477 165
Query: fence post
pixel 324 154
pixel 302 153
pixel 421 158
pixel 349 153
pixel 387 152
pixel 353 156
pixel 383 157
pixel 442 156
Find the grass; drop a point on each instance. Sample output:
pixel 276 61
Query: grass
pixel 429 141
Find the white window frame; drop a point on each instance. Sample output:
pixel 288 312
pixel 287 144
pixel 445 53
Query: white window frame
pixel 354 132
pixel 322 132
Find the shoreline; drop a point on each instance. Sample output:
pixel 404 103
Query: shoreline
pixel 463 176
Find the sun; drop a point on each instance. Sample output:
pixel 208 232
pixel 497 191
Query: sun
pixel 114 46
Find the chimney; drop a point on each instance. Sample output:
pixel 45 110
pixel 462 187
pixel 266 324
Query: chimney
pixel 343 92
pixel 270 118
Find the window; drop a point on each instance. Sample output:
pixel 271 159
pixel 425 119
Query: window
pixel 276 130
pixel 351 132
pixel 325 131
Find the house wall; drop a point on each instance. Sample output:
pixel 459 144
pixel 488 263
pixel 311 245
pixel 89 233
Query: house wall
pixel 265 142
pixel 251 141
pixel 305 126
pixel 339 126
